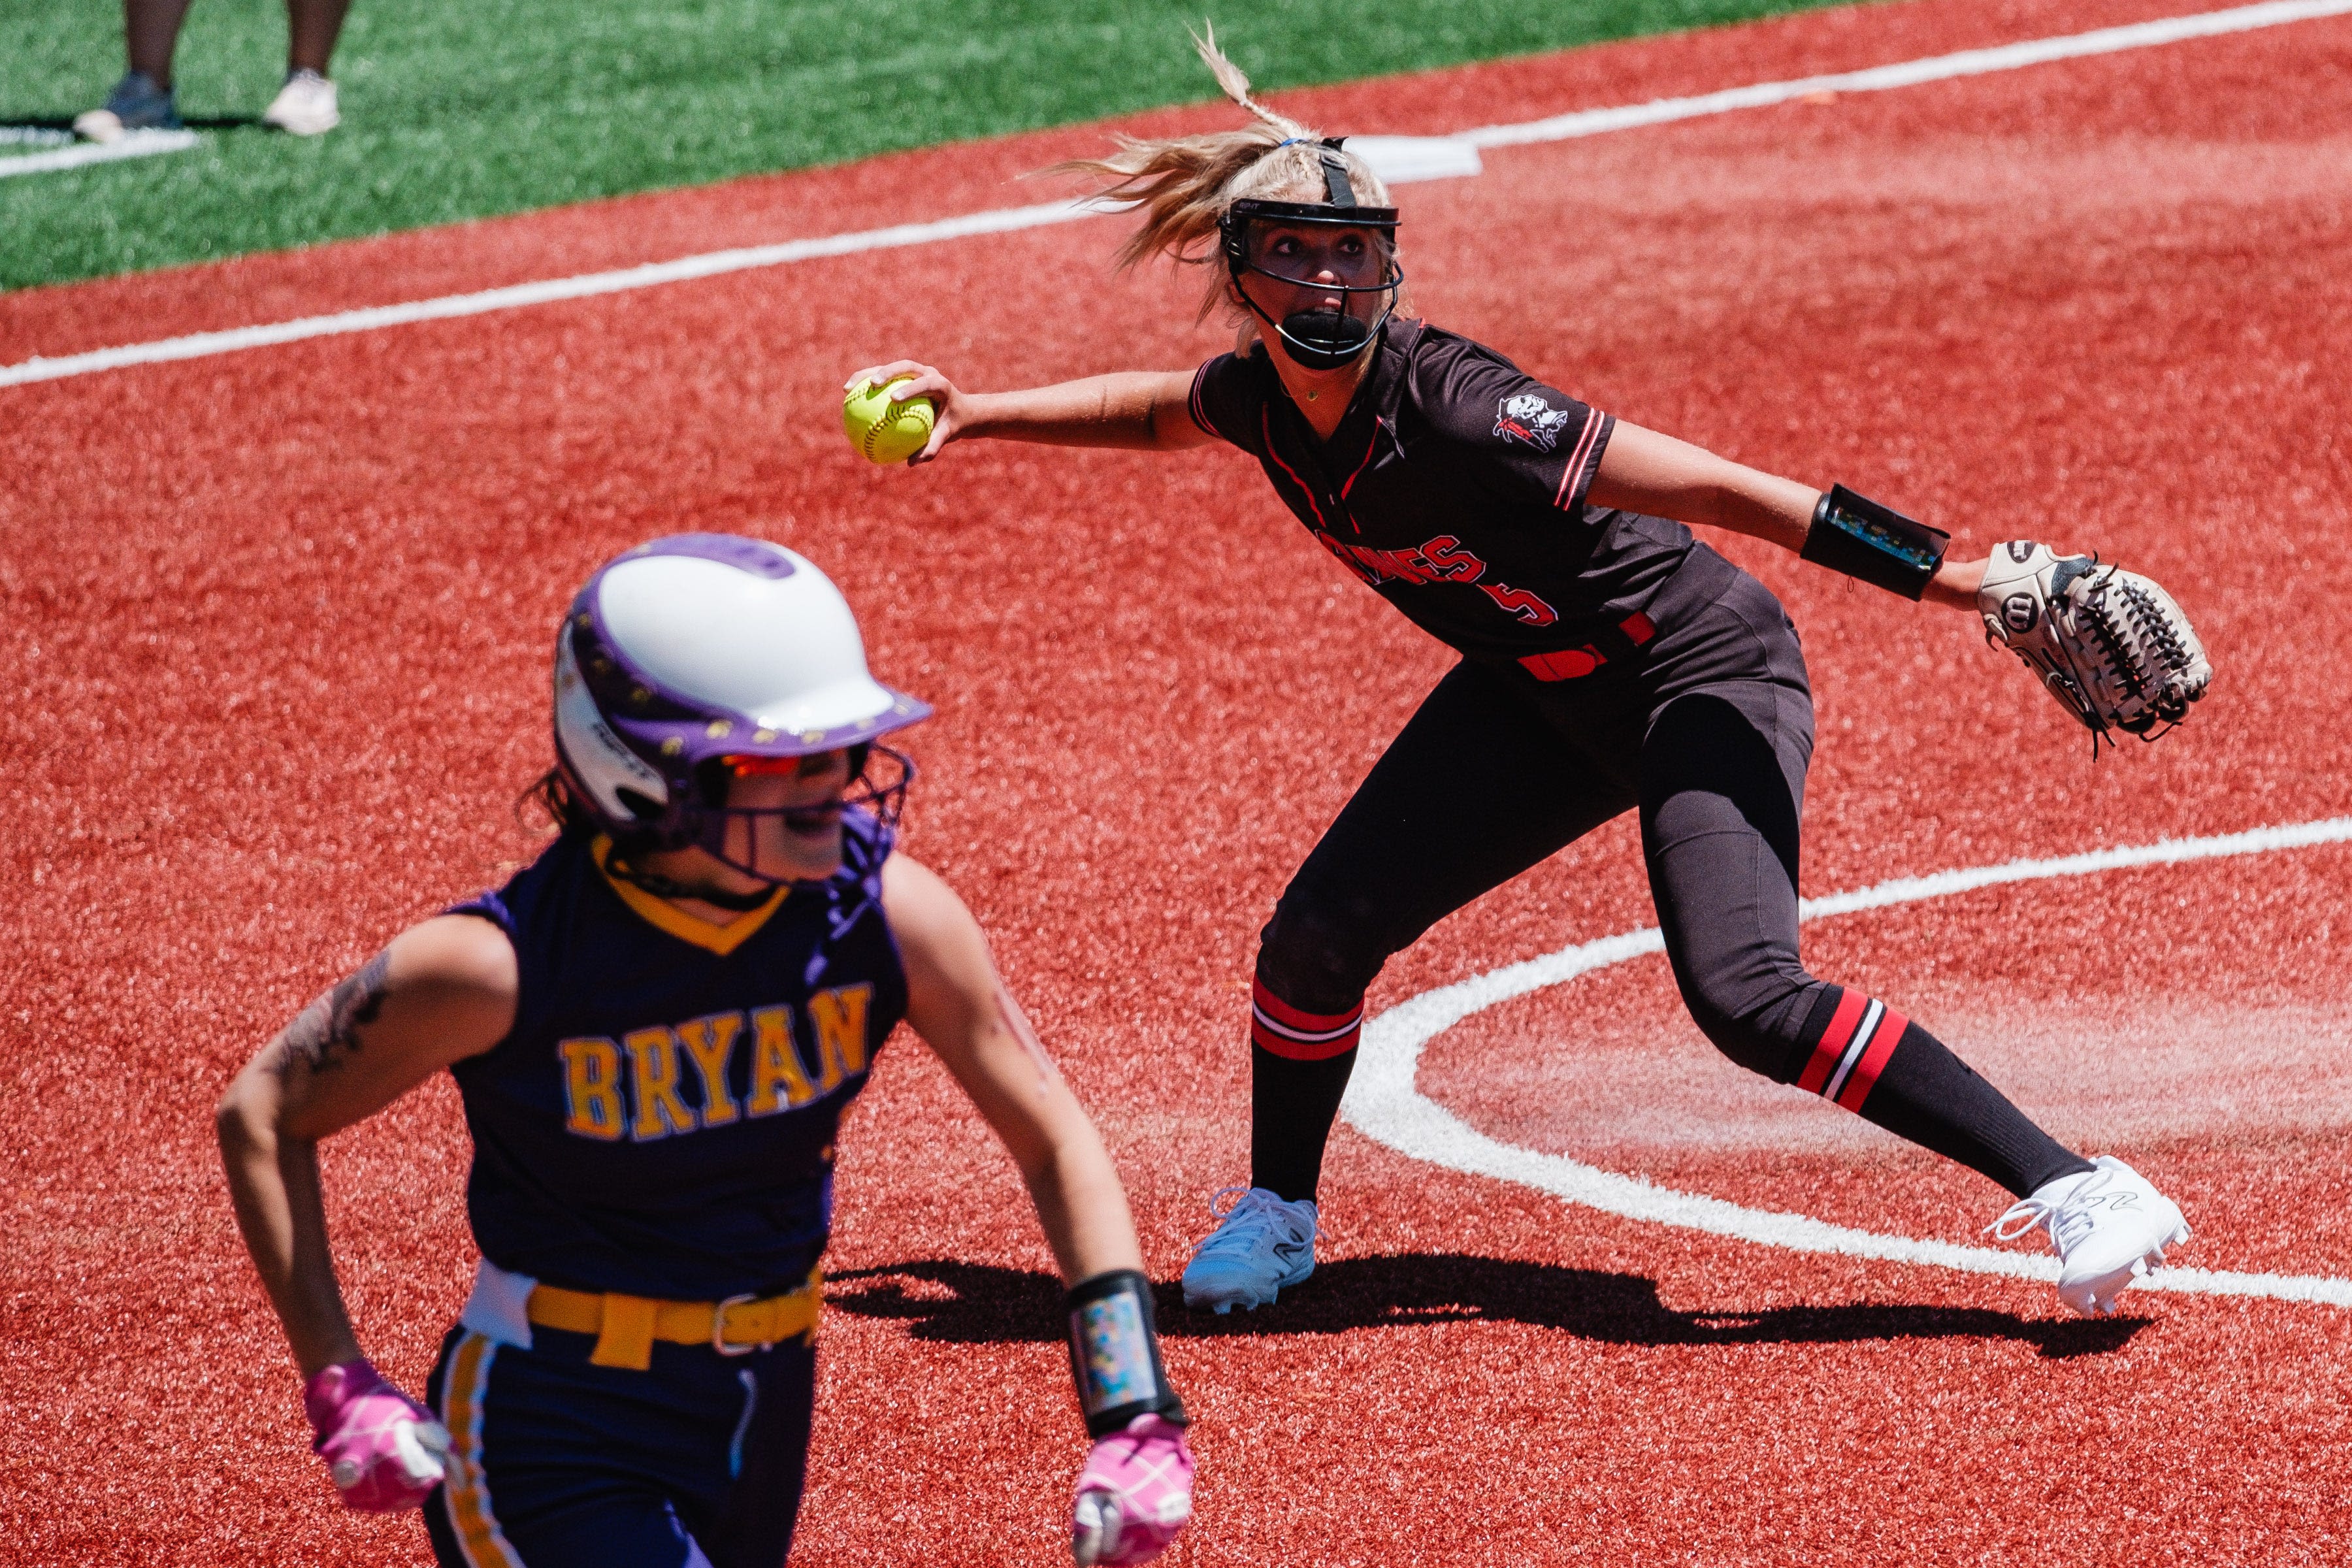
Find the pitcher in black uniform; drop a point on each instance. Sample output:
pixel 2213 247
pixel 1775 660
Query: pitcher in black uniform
pixel 1610 662
pixel 656 1027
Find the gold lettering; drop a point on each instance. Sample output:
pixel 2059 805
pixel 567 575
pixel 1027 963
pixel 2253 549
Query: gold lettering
pixel 591 1087
pixel 653 1055
pixel 839 1015
pixel 778 1080
pixel 710 1043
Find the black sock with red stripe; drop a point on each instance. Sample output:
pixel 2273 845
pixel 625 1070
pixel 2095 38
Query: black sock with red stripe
pixel 1866 1056
pixel 1300 1063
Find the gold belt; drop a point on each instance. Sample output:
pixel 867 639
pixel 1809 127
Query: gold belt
pixel 627 1326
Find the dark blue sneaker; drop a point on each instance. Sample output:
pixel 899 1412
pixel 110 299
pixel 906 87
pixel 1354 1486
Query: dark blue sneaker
pixel 135 104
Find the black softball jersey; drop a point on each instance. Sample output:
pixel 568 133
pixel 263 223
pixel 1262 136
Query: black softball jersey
pixel 1455 487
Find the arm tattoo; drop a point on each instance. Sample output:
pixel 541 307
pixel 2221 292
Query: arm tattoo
pixel 328 1030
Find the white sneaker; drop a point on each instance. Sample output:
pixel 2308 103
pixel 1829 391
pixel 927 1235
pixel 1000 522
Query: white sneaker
pixel 1261 1246
pixel 2107 1225
pixel 305 106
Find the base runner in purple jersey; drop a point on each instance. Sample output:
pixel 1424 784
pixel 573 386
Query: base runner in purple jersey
pixel 654 1028
pixel 1611 662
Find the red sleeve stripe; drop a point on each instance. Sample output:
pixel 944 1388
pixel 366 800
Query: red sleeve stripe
pixel 1193 405
pixel 1865 1077
pixel 1568 486
pixel 1833 1043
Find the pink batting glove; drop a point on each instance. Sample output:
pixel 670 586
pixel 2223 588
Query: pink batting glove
pixel 1134 1495
pixel 384 1449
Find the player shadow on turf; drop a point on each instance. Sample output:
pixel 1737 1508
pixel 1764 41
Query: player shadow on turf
pixel 189 121
pixel 978 1303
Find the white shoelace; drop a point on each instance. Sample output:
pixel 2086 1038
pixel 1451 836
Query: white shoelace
pixel 2068 1220
pixel 1268 1210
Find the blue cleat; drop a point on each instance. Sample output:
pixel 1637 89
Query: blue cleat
pixel 1261 1246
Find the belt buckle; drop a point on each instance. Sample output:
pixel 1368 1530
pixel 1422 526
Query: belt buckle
pixel 719 1327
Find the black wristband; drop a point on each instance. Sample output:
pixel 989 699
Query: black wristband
pixel 1115 1353
pixel 1874 543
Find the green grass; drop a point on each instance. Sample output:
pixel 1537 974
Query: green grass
pixel 455 112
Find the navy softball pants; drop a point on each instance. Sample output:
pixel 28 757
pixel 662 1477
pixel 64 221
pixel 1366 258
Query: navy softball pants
pixel 697 1462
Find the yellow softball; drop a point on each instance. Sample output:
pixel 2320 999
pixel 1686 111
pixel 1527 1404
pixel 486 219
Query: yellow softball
pixel 885 431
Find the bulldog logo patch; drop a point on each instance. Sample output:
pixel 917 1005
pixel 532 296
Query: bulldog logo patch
pixel 1528 417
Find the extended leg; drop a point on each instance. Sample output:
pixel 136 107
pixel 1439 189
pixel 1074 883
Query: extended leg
pixel 1722 784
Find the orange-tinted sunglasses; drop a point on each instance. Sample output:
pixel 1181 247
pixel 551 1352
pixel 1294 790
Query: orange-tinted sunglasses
pixel 755 767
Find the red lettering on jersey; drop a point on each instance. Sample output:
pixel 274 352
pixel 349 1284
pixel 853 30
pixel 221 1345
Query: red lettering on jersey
pixel 1520 602
pixel 1346 557
pixel 1443 559
pixel 1446 558
pixel 1402 564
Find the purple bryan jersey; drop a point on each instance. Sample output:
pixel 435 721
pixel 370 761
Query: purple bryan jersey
pixel 660 1120
pixel 1455 487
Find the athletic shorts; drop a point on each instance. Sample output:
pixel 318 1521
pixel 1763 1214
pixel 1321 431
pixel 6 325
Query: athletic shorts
pixel 697 1462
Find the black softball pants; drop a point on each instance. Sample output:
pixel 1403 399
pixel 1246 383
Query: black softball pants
pixel 1708 737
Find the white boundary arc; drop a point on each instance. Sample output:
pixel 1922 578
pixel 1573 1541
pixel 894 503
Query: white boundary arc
pixel 1384 1103
pixel 1404 157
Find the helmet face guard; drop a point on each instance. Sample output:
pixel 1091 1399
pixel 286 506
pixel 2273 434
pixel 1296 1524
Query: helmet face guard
pixel 1318 338
pixel 711 821
pixel 694 651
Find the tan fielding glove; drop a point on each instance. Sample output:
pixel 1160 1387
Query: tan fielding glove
pixel 2110 645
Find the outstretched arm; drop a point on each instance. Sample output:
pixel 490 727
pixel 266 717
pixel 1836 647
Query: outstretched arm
pixel 1644 471
pixel 960 1005
pixel 1141 410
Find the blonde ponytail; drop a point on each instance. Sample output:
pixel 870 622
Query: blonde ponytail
pixel 1183 184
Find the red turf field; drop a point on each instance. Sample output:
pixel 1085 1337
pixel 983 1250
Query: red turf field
pixel 280 619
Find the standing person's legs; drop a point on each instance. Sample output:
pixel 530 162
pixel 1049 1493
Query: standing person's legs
pixel 313 25
pixel 142 100
pixel 1476 788
pixel 151 30
pixel 305 105
pixel 1722 786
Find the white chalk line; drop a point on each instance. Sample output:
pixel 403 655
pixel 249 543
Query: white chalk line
pixel 199 345
pixel 131 144
pixel 1911 73
pixel 1384 1103
pixel 1431 162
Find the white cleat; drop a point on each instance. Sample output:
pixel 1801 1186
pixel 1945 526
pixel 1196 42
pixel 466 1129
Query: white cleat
pixel 2107 1224
pixel 305 106
pixel 1262 1246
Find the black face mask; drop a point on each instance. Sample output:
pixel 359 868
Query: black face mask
pixel 1324 339
pixel 1320 338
